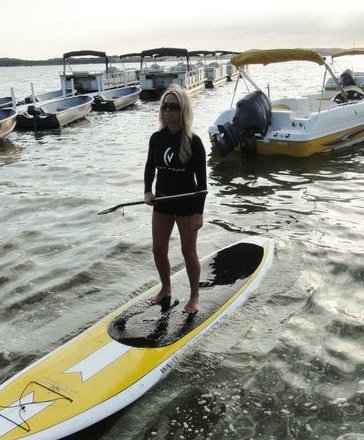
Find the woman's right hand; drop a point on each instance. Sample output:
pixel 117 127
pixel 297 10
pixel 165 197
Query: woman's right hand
pixel 148 198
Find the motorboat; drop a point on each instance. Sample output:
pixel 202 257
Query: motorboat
pixel 348 77
pixel 155 78
pixel 294 126
pixel 7 121
pixel 87 81
pixel 116 99
pixel 53 114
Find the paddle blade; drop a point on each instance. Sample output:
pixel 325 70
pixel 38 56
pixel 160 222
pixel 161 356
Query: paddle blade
pixel 121 205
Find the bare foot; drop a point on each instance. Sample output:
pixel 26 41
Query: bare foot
pixel 191 306
pixel 160 297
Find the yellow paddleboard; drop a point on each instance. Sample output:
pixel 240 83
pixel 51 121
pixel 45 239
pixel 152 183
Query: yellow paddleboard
pixel 120 358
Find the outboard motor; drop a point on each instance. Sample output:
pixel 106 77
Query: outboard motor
pixel 347 78
pixel 33 110
pixel 252 115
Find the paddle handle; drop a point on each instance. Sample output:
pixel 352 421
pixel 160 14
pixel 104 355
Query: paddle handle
pixel 156 199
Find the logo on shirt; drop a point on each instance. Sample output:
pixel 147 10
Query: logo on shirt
pixel 168 156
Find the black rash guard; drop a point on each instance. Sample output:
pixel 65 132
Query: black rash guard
pixel 173 176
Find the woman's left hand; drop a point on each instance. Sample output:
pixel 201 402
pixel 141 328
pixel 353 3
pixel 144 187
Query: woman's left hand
pixel 148 198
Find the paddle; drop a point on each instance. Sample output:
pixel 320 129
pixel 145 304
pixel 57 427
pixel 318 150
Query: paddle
pixel 156 199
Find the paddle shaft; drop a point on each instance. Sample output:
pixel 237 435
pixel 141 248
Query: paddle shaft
pixel 156 199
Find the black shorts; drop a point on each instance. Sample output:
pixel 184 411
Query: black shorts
pixel 181 208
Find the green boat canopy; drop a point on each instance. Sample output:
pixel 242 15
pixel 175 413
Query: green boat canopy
pixel 354 51
pixel 276 56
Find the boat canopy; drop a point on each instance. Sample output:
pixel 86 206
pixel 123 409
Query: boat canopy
pixel 354 51
pixel 226 52
pixel 130 55
pixel 276 56
pixel 165 52
pixel 214 53
pixel 84 53
pixel 194 53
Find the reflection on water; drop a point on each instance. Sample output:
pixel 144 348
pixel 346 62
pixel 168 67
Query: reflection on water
pixel 289 365
pixel 10 152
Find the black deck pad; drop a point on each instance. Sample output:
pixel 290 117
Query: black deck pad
pixel 222 275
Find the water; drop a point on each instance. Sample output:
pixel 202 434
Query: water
pixel 289 365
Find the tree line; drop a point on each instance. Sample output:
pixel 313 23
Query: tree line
pixel 14 62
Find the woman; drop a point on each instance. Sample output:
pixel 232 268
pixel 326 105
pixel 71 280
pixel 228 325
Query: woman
pixel 178 156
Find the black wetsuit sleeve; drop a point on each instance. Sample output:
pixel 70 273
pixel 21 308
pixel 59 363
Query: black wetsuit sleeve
pixel 149 170
pixel 199 161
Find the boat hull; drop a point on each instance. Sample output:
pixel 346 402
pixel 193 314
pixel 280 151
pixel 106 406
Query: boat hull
pixel 117 99
pixel 326 144
pixel 106 368
pixel 54 114
pixel 7 122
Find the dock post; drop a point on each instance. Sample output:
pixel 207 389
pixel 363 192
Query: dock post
pixel 13 97
pixel 32 92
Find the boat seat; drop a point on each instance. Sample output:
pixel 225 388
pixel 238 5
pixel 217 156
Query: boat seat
pixel 282 107
pixel 298 105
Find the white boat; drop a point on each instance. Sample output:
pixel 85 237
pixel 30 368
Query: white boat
pixel 218 71
pixel 85 81
pixel 215 71
pixel 116 99
pixel 231 70
pixel 347 77
pixel 7 121
pixel 54 114
pixel 294 126
pixel 155 78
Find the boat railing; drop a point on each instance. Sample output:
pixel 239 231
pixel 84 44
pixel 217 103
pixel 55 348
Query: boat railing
pixel 194 77
pixel 151 70
pixel 82 73
pixel 180 67
pixel 214 73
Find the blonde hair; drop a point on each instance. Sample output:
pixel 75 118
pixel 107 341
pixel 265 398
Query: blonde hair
pixel 186 119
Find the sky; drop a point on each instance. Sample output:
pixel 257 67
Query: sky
pixel 42 29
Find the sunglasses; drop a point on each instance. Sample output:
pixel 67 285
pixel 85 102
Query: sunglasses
pixel 170 107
